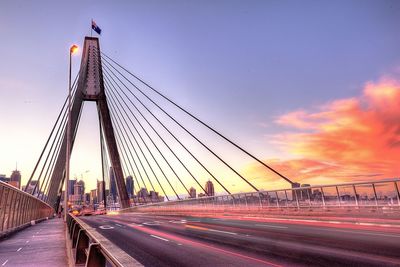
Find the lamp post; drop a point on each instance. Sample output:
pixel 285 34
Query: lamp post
pixel 72 50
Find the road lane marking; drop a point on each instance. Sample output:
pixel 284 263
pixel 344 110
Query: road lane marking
pixel 272 226
pixel 166 240
pixel 197 244
pixel 211 230
pixel 135 224
pixel 118 225
pixel 19 249
pixel 106 227
pixel 152 223
pixel 224 232
pixel 4 263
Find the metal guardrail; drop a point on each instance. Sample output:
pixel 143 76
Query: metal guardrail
pixel 93 249
pixel 383 194
pixel 18 209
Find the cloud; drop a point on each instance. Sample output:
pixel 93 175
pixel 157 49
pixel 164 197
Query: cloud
pixel 344 140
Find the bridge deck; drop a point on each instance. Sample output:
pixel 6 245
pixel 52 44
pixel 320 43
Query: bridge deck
pixel 40 245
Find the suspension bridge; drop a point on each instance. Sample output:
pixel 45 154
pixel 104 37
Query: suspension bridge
pixel 160 144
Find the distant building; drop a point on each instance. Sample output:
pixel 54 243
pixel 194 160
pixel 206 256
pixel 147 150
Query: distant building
pixel 113 185
pixel 192 192
pixel 130 186
pixel 82 187
pixel 143 196
pixel 3 178
pixel 71 184
pixel 9 181
pixel 87 198
pixel 15 178
pixel 100 192
pixel 295 192
pixel 76 197
pixel 93 197
pixel 306 192
pixel 210 188
pixel 16 184
pixel 31 187
pixel 142 192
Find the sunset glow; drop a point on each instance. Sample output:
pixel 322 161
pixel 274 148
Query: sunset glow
pixel 344 140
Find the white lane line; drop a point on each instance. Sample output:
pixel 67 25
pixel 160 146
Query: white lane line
pixel 118 225
pixel 4 263
pixel 19 249
pixel 272 226
pixel 160 238
pixel 151 223
pixel 224 232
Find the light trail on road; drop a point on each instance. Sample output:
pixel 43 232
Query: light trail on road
pixel 157 240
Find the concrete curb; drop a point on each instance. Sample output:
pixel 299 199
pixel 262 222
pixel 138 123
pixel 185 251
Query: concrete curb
pixel 70 257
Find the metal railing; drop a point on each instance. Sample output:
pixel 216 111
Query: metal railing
pixel 18 209
pixel 90 248
pixel 383 194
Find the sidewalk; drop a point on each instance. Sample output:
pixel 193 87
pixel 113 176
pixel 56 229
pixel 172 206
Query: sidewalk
pixel 40 245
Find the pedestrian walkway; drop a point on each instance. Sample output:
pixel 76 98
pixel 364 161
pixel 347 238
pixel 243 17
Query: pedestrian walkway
pixel 40 245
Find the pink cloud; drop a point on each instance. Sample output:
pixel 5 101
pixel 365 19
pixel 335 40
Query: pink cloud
pixel 344 140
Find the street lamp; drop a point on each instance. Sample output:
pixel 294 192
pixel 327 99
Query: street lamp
pixel 72 50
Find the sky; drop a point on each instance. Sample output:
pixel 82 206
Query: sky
pixel 310 87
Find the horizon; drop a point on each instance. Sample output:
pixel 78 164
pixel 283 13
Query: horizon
pixel 275 91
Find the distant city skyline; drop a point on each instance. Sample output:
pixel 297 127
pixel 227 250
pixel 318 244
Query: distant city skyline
pixel 310 88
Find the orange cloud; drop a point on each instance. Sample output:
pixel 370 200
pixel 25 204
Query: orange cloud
pixel 344 140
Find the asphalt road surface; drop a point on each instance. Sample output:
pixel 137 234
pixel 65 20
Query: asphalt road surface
pixel 200 241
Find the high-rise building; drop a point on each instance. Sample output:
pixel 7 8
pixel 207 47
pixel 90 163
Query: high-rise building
pixel 82 187
pixel 210 188
pixel 100 192
pixel 113 185
pixel 93 196
pixel 130 186
pixel 192 192
pixel 15 178
pixel 71 184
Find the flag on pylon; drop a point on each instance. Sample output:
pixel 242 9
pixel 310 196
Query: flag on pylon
pixel 95 27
